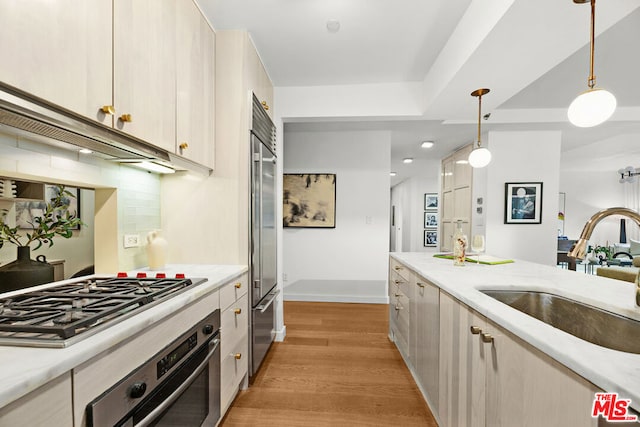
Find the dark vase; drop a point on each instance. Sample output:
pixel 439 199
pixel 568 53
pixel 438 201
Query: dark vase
pixel 25 272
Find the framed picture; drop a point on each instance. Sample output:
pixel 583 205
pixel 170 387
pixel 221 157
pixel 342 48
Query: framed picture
pixel 523 203
pixel 309 200
pixel 27 211
pixel 430 201
pixel 430 219
pixel 431 237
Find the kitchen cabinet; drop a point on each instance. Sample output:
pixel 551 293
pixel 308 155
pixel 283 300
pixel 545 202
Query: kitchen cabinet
pixel 261 83
pixel 144 69
pixel 489 377
pixel 195 85
pixel 59 51
pixel 425 337
pixel 457 180
pixel 400 278
pixel 234 345
pixel 25 190
pixel 48 405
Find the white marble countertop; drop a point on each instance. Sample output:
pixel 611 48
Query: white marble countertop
pixel 611 370
pixel 23 369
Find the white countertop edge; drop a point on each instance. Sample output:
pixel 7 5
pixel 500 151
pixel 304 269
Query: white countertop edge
pixel 610 370
pixel 40 365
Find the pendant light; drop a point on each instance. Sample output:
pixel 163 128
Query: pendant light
pixel 480 156
pixel 595 105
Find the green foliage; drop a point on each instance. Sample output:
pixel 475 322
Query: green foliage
pixel 603 250
pixel 56 220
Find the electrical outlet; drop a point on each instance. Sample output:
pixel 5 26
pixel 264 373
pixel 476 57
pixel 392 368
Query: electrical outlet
pixel 131 240
pixel 284 276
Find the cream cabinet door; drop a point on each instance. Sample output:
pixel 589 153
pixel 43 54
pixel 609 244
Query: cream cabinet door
pixel 144 64
pixel 426 335
pixel 195 79
pixel 462 364
pixel 59 51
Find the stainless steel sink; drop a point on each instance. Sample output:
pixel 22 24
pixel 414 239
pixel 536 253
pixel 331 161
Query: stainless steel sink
pixel 589 323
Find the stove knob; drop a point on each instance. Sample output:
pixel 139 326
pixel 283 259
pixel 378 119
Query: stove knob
pixel 207 329
pixel 137 390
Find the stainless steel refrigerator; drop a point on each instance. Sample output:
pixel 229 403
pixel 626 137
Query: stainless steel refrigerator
pixel 262 234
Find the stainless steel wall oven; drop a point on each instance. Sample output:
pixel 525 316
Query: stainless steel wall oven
pixel 179 386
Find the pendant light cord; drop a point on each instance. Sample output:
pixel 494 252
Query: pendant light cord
pixel 592 78
pixel 479 117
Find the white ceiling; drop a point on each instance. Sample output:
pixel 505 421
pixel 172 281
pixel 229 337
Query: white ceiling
pixel 532 54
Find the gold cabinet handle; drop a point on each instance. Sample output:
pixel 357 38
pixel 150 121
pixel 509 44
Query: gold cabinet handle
pixel 108 109
pixel 487 338
pixel 183 146
pixel 397 267
pixel 398 295
pixel 475 330
pixel 238 285
pixel 237 311
pixel 126 118
pixel 420 284
pixel 264 105
pixel 398 307
pixel 238 356
pixel 397 282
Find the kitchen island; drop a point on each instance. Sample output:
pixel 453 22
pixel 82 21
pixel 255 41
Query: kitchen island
pixel 26 369
pixel 603 369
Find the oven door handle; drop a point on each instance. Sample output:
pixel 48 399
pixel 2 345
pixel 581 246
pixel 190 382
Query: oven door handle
pixel 178 392
pixel 263 307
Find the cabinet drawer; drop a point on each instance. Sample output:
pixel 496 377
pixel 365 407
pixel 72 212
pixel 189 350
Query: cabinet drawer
pixel 234 324
pixel 231 292
pixel 400 269
pixel 401 282
pixel 233 370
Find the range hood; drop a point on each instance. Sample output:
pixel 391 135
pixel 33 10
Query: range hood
pixel 24 114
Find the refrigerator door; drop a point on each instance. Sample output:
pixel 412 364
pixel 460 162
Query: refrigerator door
pixel 263 262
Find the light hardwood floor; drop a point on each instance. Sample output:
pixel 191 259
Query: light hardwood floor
pixel 336 367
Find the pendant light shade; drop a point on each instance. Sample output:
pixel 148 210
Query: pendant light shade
pixel 596 105
pixel 591 108
pixel 480 156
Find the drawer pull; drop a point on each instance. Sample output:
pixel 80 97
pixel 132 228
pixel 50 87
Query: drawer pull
pixel 238 356
pixel 398 295
pixel 397 267
pixel 398 307
pixel 238 285
pixel 126 118
pixel 475 330
pixel 420 284
pixel 237 311
pixel 397 282
pixel 487 338
pixel 108 109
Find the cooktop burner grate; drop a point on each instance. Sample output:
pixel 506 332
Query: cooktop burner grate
pixel 55 316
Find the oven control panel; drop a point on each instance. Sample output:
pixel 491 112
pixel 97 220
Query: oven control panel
pixel 169 361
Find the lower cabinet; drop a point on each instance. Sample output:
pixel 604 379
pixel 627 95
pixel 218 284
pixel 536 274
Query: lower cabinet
pixel 234 343
pixel 489 377
pixel 49 405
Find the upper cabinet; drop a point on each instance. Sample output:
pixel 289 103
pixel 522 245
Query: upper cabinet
pixel 144 70
pixel 145 67
pixel 259 80
pixel 195 85
pixel 59 51
pixel 457 180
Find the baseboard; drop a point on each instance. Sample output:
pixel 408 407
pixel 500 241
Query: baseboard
pixel 281 334
pixel 337 298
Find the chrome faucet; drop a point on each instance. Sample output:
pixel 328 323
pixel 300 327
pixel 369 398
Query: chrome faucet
pixel 579 250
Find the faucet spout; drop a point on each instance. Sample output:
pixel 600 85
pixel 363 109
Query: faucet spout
pixel 579 250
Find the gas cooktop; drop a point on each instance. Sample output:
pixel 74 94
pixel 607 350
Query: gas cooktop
pixel 61 315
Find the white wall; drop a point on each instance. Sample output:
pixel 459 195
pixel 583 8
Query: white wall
pixel 348 262
pixel 408 196
pixel 523 157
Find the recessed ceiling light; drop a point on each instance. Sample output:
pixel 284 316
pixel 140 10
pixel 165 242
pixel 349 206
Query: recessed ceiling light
pixel 427 144
pixel 85 151
pixel 333 25
pixel 393 173
pixel 407 160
